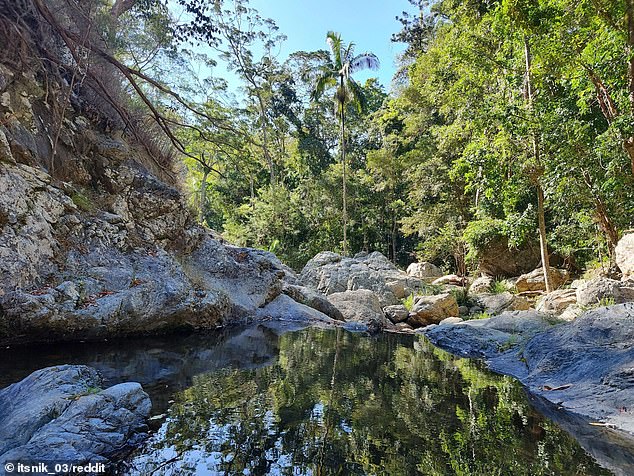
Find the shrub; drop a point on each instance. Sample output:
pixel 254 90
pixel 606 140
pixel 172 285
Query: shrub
pixel 499 286
pixel 463 298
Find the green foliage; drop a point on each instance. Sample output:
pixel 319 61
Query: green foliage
pixel 499 286
pixel 447 164
pixel 479 315
pixel 83 202
pixel 462 297
pixel 408 302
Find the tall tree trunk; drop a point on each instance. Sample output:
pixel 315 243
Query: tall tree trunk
pixel 343 164
pixel 628 143
pixel 543 243
pixel 394 234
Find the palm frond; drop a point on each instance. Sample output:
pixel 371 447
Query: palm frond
pixel 333 40
pixel 349 53
pixel 356 96
pixel 324 81
pixel 364 61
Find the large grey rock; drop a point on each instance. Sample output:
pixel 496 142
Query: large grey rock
pixel 624 255
pixel 284 308
pixel 481 285
pixel 397 313
pixel 557 301
pixel 604 291
pixel 311 298
pixel 331 273
pixel 584 366
pixel 432 309
pixel 362 306
pixel 534 281
pixel 424 270
pixel 60 414
pixel 506 301
pixel 486 338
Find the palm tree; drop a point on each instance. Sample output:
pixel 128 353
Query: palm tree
pixel 337 73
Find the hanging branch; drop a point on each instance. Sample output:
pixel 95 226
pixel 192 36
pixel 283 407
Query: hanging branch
pixel 72 40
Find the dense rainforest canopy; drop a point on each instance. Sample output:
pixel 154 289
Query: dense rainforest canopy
pixel 509 121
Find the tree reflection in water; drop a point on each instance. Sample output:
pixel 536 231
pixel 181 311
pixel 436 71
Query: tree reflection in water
pixel 343 403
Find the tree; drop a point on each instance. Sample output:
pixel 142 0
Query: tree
pixel 337 73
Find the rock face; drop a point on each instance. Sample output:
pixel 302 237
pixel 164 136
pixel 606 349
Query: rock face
pixel 363 306
pixel 625 255
pixel 557 301
pixel 534 281
pixel 604 291
pixel 497 303
pixel 426 271
pixel 432 309
pixel 497 260
pixel 585 366
pixel 108 248
pixel 331 273
pixel 59 414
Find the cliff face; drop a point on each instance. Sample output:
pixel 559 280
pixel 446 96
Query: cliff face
pixel 109 248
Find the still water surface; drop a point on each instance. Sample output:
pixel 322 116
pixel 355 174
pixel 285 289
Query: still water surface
pixel 264 400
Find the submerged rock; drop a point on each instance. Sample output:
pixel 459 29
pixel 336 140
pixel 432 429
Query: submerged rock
pixel 60 414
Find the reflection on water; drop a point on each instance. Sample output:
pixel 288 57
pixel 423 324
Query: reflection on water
pixel 334 402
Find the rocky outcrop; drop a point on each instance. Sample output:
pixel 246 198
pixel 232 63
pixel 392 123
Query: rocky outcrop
pixel 604 291
pixel 112 250
pixel 331 273
pixel 534 281
pixel 557 301
pixel 60 414
pixel 506 301
pixel 624 255
pixel 425 271
pixel 584 366
pixel 432 309
pixel 362 306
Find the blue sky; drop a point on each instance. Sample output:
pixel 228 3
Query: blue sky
pixel 368 23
